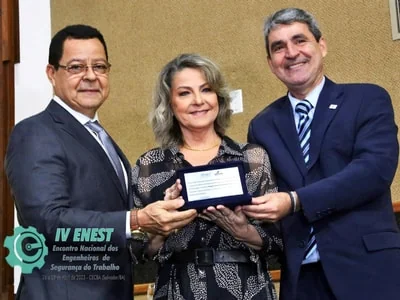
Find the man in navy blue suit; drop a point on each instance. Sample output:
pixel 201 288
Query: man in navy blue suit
pixel 66 173
pixel 334 150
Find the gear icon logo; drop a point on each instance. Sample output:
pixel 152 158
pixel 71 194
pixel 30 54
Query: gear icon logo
pixel 27 249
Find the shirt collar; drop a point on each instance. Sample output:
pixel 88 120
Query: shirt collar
pixel 77 115
pixel 312 97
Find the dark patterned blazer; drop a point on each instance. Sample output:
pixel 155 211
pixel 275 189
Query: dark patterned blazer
pixel 154 172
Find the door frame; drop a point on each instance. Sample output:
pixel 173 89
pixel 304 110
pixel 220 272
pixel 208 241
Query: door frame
pixel 9 53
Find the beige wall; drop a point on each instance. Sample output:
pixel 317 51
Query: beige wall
pixel 142 35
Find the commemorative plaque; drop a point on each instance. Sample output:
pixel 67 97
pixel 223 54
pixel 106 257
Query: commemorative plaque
pixel 211 185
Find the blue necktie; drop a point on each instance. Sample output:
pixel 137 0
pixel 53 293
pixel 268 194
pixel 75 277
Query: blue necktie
pixel 304 131
pixel 304 127
pixel 110 150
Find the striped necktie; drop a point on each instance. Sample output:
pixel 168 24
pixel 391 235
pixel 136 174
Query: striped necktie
pixel 304 127
pixel 304 131
pixel 110 149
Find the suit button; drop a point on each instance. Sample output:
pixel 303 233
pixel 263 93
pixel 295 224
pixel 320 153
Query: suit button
pixel 301 244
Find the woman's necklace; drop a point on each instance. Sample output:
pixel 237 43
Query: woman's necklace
pixel 186 146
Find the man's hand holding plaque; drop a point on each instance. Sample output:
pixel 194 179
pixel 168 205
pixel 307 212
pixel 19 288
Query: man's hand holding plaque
pixel 233 221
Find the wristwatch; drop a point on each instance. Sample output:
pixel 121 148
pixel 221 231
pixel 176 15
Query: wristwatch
pixel 139 235
pixel 138 246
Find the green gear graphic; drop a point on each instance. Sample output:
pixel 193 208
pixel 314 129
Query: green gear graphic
pixel 24 241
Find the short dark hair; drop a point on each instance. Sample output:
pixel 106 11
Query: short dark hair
pixel 288 16
pixel 79 32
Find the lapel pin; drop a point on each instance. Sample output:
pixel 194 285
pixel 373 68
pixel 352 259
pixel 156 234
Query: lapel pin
pixel 333 106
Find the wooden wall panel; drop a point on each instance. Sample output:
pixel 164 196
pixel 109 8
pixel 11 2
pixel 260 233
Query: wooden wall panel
pixel 143 35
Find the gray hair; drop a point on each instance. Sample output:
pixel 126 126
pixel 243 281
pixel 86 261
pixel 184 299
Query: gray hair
pixel 165 126
pixel 288 16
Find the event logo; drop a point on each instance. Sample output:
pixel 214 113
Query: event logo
pixel 27 249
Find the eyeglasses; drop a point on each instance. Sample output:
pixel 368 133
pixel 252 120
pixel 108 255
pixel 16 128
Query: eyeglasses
pixel 98 69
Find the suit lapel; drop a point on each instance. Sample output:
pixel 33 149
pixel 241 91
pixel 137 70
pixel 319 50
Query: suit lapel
pixel 70 125
pixel 284 122
pixel 328 104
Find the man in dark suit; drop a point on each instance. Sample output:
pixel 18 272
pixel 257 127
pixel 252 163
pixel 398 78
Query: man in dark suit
pixel 66 173
pixel 334 150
